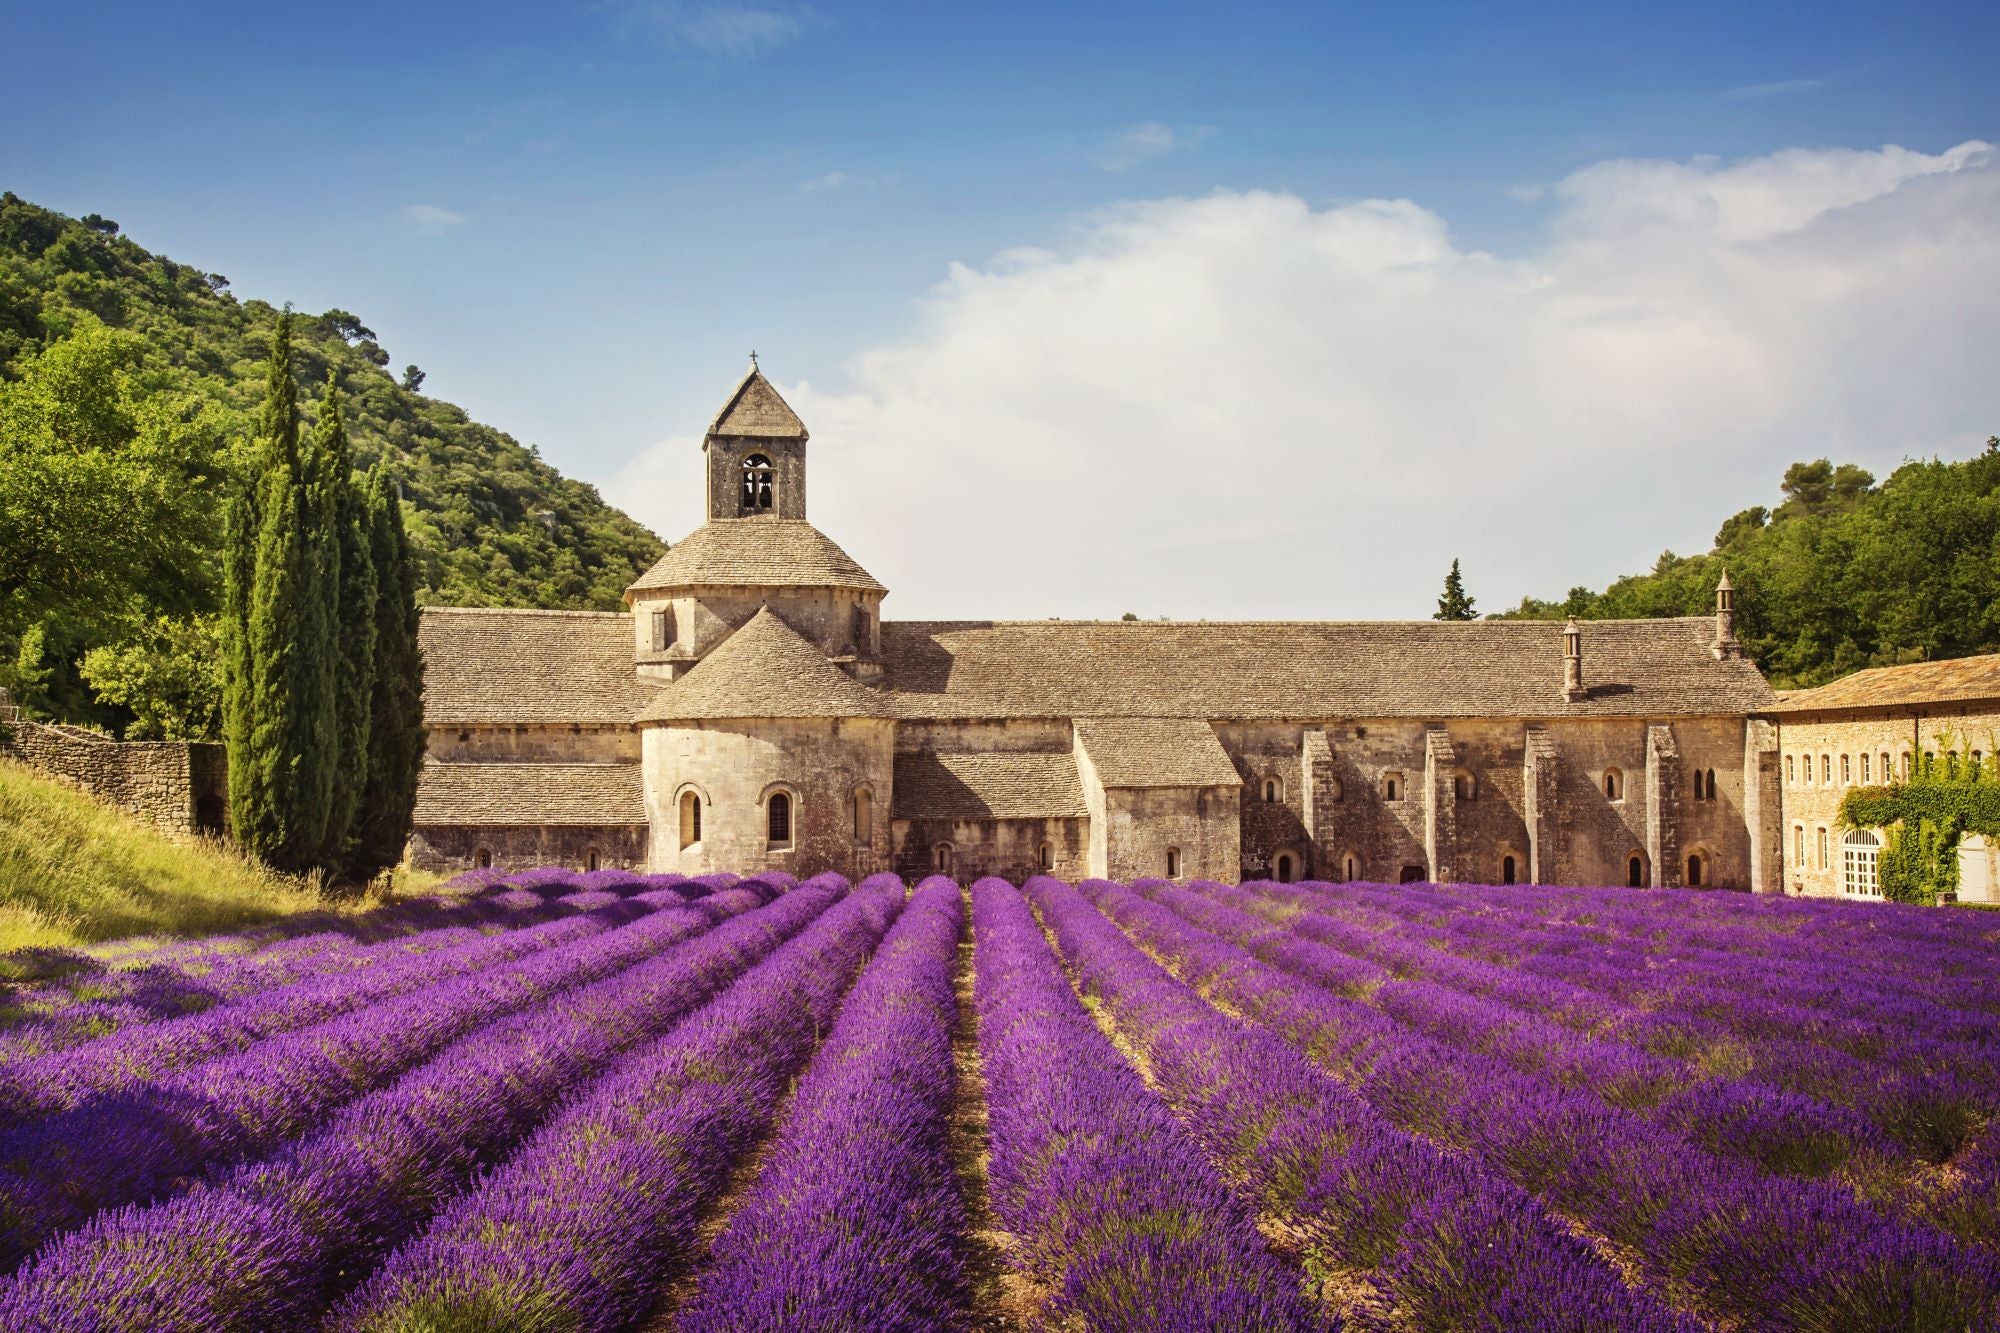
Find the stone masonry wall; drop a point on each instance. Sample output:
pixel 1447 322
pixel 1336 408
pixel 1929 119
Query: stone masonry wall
pixel 1009 848
pixel 451 848
pixel 178 787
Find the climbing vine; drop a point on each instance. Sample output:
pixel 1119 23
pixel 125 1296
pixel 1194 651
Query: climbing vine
pixel 1949 793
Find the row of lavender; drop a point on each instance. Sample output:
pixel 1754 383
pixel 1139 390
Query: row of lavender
pixel 1273 1107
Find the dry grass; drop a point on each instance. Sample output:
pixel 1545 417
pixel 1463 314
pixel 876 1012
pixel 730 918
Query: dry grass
pixel 75 872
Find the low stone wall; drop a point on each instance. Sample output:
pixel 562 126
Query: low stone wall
pixel 180 788
pixel 454 847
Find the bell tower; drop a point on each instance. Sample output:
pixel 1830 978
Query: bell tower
pixel 756 454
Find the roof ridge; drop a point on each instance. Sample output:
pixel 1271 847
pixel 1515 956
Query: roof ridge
pixel 1446 625
pixel 522 611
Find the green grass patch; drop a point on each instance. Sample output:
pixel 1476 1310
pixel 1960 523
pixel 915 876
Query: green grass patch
pixel 74 872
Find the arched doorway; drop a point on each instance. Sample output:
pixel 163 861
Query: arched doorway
pixel 1287 868
pixel 1413 874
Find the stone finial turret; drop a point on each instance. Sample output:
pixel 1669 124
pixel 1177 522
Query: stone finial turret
pixel 1725 645
pixel 1573 691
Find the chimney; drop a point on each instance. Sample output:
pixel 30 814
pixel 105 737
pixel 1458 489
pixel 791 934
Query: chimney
pixel 1725 645
pixel 1573 690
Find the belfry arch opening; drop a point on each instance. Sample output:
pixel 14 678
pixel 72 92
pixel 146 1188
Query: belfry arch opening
pixel 759 485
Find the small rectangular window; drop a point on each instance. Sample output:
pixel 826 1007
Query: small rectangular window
pixel 659 630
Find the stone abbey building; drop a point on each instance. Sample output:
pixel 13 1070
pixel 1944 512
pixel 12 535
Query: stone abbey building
pixel 752 709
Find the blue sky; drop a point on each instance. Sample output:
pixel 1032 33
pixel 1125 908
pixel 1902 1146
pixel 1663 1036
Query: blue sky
pixel 579 218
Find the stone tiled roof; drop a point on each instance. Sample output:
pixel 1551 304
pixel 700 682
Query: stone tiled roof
pixel 513 794
pixel 987 785
pixel 1919 684
pixel 755 409
pixel 499 666
pixel 1251 670
pixel 1155 752
pixel 764 669
pixel 758 553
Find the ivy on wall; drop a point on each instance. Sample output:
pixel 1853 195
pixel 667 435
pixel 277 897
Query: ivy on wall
pixel 1950 793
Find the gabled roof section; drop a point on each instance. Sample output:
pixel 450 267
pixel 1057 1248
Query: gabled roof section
pixel 765 669
pixel 1155 752
pixel 756 410
pixel 757 553
pixel 497 666
pixel 1306 670
pixel 1916 685
pixel 988 785
pixel 574 795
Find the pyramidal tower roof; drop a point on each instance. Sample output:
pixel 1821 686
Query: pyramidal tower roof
pixel 765 669
pixel 757 410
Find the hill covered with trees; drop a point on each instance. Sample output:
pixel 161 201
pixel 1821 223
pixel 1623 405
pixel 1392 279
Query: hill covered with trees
pixel 1844 573
pixel 129 391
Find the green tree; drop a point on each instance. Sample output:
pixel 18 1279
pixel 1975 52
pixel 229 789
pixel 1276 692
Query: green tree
pixel 1454 604
pixel 283 575
pixel 351 645
pixel 168 674
pixel 396 711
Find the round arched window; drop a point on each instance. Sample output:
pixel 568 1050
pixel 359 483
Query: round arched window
pixel 757 482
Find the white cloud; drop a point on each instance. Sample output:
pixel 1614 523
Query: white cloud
pixel 843 180
pixel 1141 143
pixel 724 31
pixel 431 218
pixel 1751 91
pixel 1244 406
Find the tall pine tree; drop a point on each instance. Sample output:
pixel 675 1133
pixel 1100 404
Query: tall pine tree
pixel 396 712
pixel 1454 604
pixel 345 506
pixel 282 577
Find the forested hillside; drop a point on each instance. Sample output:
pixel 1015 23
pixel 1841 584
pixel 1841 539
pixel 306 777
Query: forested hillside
pixel 129 387
pixel 1845 573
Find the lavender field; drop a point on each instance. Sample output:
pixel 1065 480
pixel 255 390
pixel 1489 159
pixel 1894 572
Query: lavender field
pixel 559 1101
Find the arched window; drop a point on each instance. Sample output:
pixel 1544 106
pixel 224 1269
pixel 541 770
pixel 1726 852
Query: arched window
pixel 1614 785
pixel 1826 770
pixel 1045 857
pixel 1464 786
pixel 1392 786
pixel 757 486
pixel 591 859
pixel 1864 766
pixel 1350 869
pixel 1173 863
pixel 864 817
pixel 778 819
pixel 1285 871
pixel 1635 871
pixel 1860 856
pixel 1799 845
pixel 1694 870
pixel 1825 859
pixel 690 818
pixel 1846 771
pixel 1886 770
pixel 943 857
pixel 483 857
pixel 1273 793
pixel 1904 768
pixel 1506 870
pixel 1791 769
pixel 1711 784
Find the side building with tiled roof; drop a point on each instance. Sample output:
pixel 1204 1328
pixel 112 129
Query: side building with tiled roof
pixel 753 710
pixel 1867 730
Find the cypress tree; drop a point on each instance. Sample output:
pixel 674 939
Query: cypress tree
pixel 274 451
pixel 282 599
pixel 396 713
pixel 353 639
